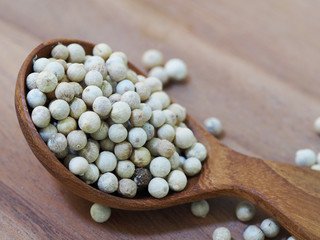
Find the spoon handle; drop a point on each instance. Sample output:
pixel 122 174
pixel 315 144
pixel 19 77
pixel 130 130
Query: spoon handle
pixel 289 193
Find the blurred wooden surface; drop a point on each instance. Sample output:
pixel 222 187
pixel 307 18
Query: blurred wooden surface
pixel 253 64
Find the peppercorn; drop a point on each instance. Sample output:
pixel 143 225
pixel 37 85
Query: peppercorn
pixel 142 177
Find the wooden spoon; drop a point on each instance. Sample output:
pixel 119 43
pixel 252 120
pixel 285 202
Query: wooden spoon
pixel 289 193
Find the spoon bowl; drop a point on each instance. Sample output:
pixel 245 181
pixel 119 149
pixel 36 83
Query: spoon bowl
pixel 289 193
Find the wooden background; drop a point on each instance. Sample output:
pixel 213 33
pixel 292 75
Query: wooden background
pixel 253 64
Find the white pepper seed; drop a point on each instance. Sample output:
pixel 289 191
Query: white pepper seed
pixel 57 143
pixel 101 133
pixel 158 118
pixel 305 157
pixel 221 233
pixel 154 84
pixel 132 76
pixel 90 93
pixel 124 86
pixel 147 110
pixel 179 111
pixel 149 129
pixel 65 91
pixel 78 165
pixel 31 80
pixel 167 132
pixel 252 232
pixel 176 69
pixel 160 167
pixel 132 99
pixel 76 53
pixel 93 62
pixel 125 169
pixel 89 122
pixel 59 109
pixel 66 125
pixel 100 213
pixel 184 138
pixel 117 133
pixel 106 162
pixel 117 71
pixel 101 106
pixel 77 107
pixel 60 52
pixel 158 187
pixel 90 151
pixel 106 89
pixel 46 81
pixel 120 112
pixel 138 118
pixel 141 157
pixel 77 140
pixel 102 50
pixel 200 208
pixel 47 132
pixel 270 228
pixel 143 90
pixel 174 160
pixel 160 73
pixel 36 98
pixel 152 146
pixel 214 126
pixel 41 116
pixel 165 148
pixel 122 55
pixel 170 117
pixel 40 64
pixel 76 72
pixel 245 211
pixel 192 166
pixel 107 145
pixel 197 150
pixel 94 78
pixel 91 175
pixel 137 137
pixel 127 188
pixel 56 68
pixel 123 150
pixel 177 180
pixel 114 59
pixel 152 58
pixel 163 97
pixel 108 182
pixel 154 104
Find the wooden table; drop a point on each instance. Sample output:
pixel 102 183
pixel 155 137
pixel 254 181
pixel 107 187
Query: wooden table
pixel 253 64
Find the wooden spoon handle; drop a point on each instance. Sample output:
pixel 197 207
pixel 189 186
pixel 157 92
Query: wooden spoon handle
pixel 289 193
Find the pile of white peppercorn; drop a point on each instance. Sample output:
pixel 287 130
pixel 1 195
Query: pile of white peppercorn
pixel 109 126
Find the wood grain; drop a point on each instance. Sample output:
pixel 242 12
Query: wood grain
pixel 260 60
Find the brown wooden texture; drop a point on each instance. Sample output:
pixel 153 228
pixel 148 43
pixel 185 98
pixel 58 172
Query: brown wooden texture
pixel 252 64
